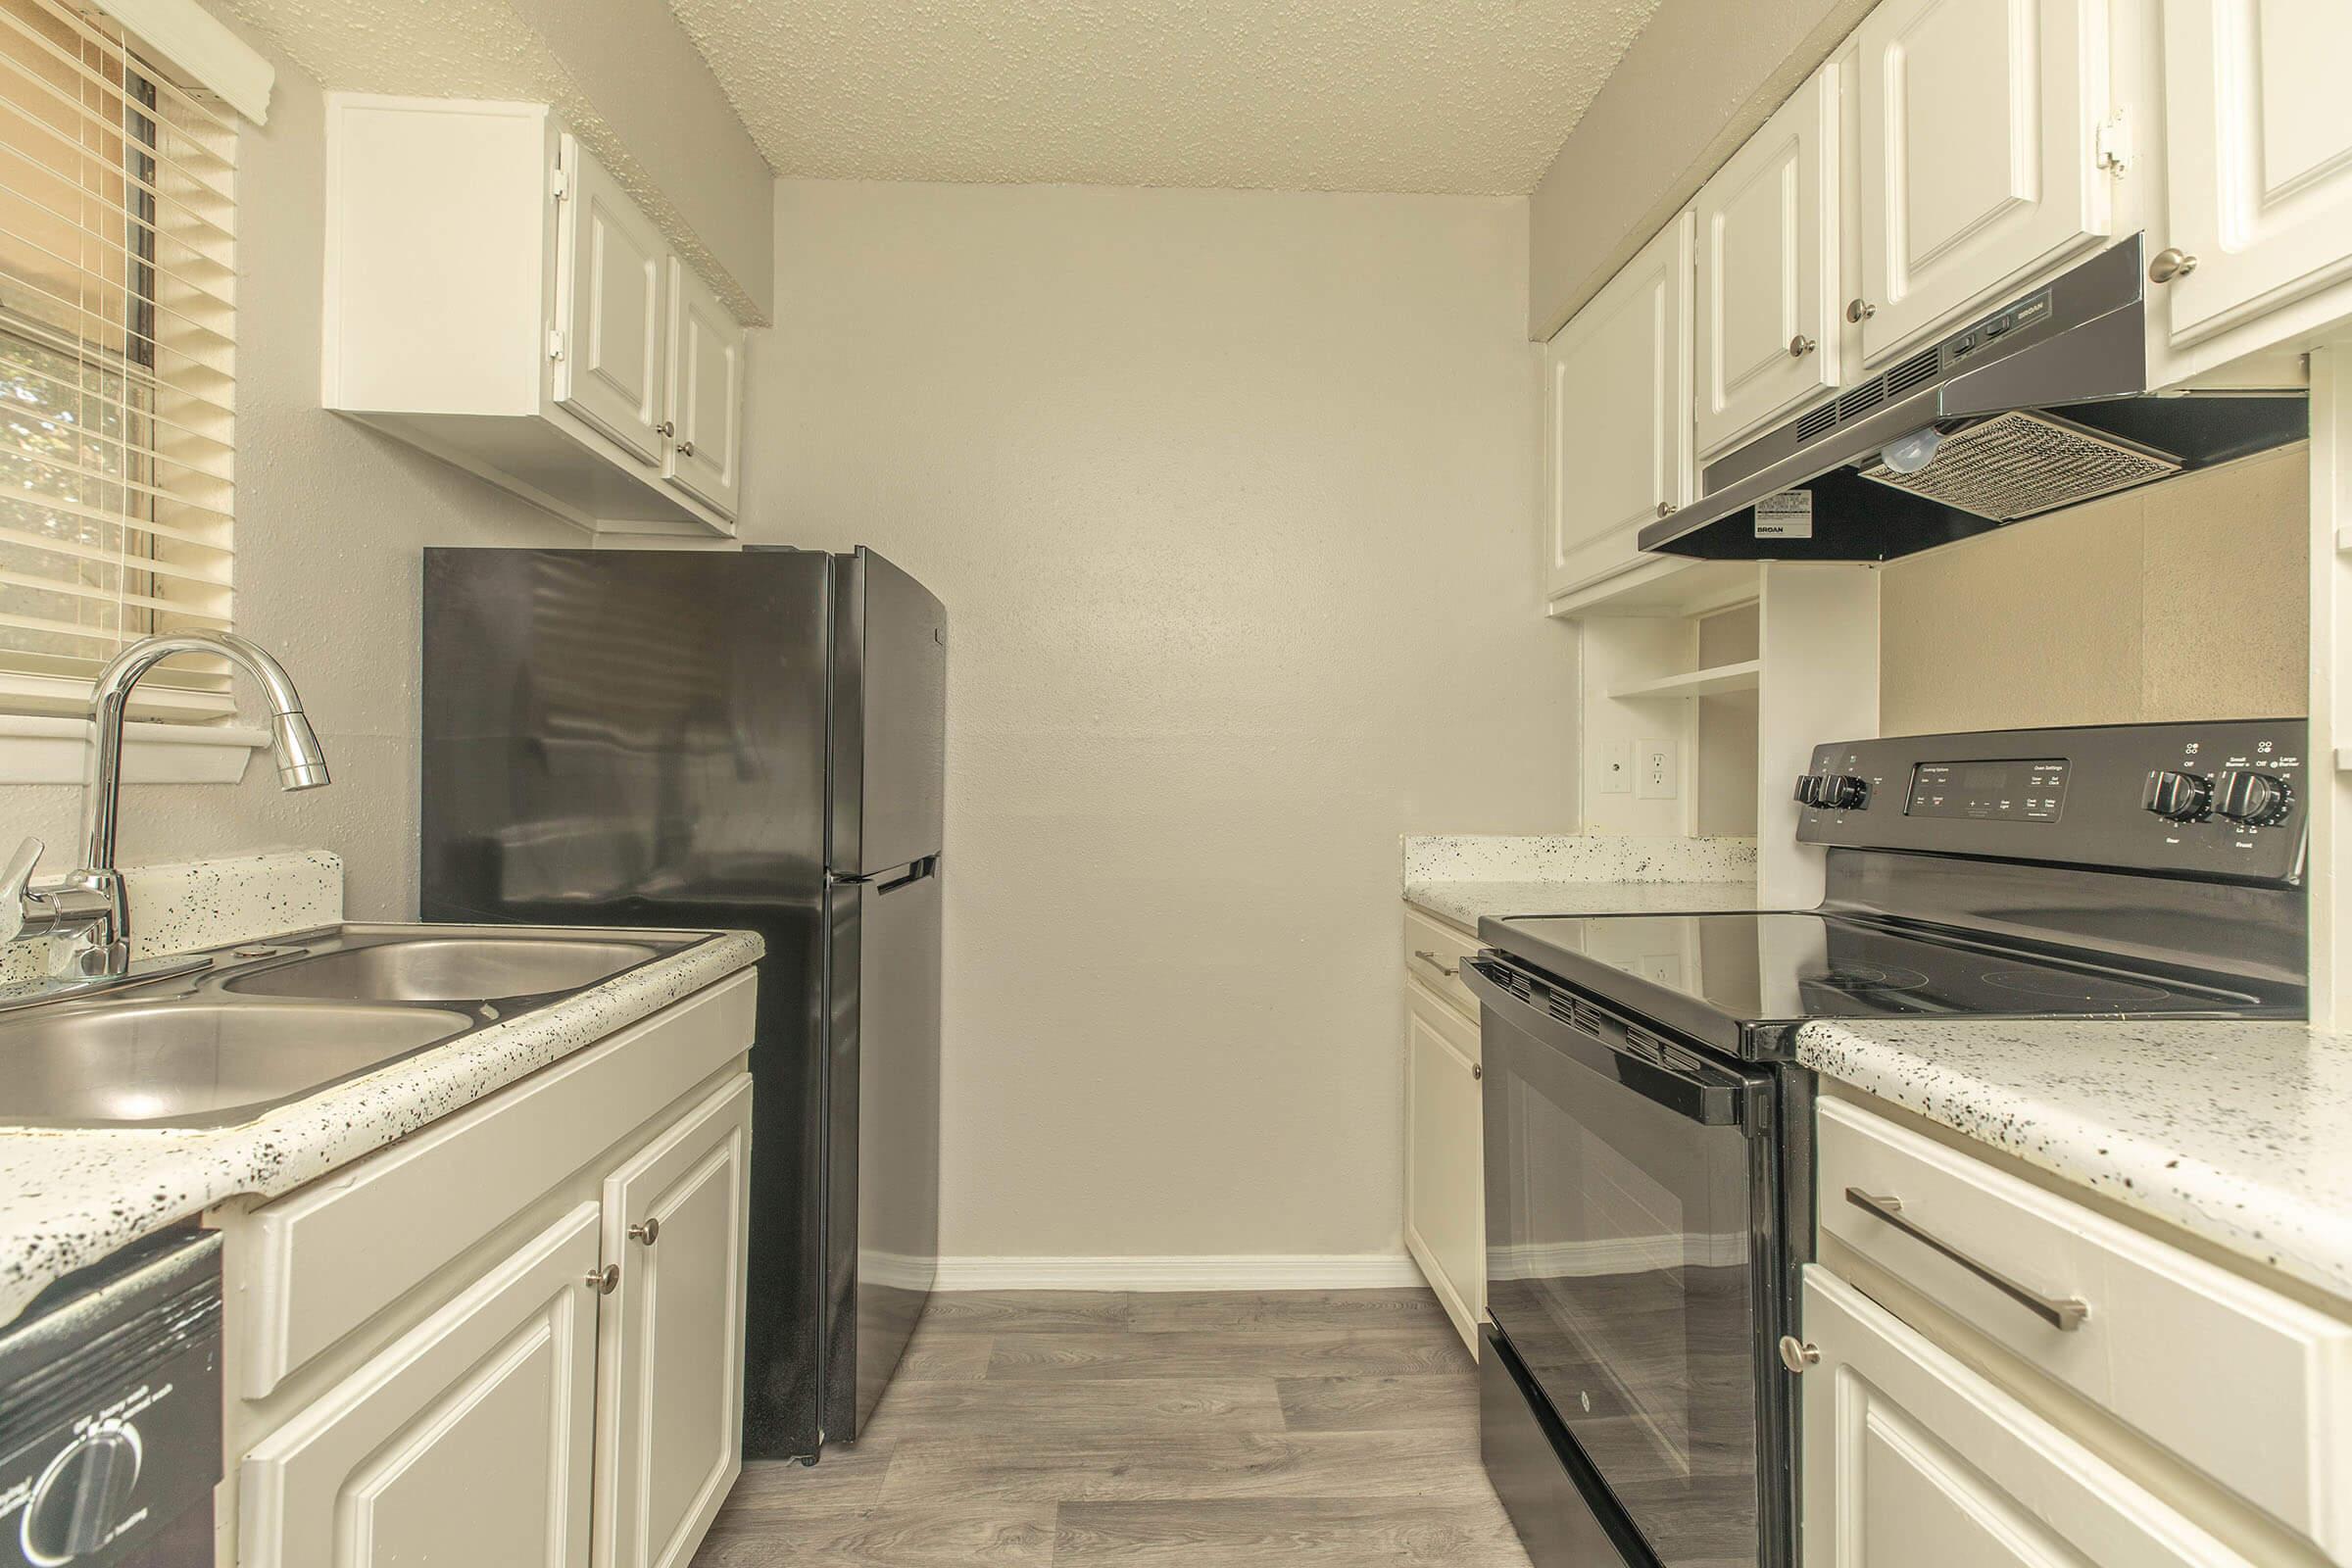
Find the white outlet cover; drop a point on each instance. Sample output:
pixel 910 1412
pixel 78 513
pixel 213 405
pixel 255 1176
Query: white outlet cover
pixel 1658 769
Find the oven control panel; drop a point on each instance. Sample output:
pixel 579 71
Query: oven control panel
pixel 2225 800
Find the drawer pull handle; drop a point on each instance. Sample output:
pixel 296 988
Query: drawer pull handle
pixel 1431 959
pixel 2063 1314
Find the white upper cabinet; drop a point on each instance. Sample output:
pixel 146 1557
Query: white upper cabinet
pixel 1978 122
pixel 705 390
pixel 611 274
pixel 1617 414
pixel 2258 142
pixel 1768 252
pixel 494 297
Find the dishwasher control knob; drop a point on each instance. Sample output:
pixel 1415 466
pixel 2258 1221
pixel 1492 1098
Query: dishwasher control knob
pixel 2257 800
pixel 83 1498
pixel 2177 796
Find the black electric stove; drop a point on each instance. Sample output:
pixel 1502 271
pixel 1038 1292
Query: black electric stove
pixel 1648 1134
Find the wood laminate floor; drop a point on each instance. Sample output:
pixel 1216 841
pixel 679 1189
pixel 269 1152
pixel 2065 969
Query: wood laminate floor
pixel 1149 1431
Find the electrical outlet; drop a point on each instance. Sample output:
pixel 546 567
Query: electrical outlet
pixel 1658 770
pixel 1616 767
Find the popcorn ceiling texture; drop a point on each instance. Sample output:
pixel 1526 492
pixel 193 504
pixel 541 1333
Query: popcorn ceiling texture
pixel 477 49
pixel 1470 97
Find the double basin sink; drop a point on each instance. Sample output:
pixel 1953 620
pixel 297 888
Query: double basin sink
pixel 234 1033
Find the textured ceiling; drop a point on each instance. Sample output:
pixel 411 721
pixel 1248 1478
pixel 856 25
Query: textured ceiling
pixel 1470 96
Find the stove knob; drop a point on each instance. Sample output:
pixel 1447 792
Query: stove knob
pixel 2257 800
pixel 1808 789
pixel 1843 791
pixel 83 1498
pixel 2177 796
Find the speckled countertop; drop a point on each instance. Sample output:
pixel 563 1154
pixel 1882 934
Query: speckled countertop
pixel 68 1196
pixel 2239 1133
pixel 1463 904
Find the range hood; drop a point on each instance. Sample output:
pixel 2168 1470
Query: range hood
pixel 2037 405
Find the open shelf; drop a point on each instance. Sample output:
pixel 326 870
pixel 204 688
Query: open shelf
pixel 1710 682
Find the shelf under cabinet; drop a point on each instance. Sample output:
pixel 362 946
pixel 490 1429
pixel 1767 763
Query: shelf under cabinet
pixel 1713 681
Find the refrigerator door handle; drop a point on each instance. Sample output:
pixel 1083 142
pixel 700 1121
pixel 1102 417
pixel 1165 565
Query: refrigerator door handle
pixel 890 881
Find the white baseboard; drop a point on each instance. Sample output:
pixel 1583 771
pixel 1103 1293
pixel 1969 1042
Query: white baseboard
pixel 1248 1271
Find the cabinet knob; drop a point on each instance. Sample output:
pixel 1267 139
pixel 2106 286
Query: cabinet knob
pixel 685 449
pixel 649 1233
pixel 1796 1355
pixel 2169 262
pixel 1799 346
pixel 666 430
pixel 605 1281
pixel 1665 508
pixel 1478 1072
pixel 1859 310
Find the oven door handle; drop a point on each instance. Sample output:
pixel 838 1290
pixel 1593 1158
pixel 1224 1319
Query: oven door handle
pixel 1712 1097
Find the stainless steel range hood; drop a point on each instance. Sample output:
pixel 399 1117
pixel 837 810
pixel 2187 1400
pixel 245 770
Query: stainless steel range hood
pixel 2035 407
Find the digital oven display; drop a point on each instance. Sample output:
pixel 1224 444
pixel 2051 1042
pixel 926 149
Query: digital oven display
pixel 2021 790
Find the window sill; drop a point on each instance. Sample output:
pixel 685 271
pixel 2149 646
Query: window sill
pixel 41 750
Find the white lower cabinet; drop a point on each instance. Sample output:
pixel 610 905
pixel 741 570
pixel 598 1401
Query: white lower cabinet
pixel 670 1397
pixel 539 1359
pixel 1445 1187
pixel 1913 1460
pixel 465 1441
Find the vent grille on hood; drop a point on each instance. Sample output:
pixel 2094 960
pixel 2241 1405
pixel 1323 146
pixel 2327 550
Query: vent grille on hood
pixel 2021 463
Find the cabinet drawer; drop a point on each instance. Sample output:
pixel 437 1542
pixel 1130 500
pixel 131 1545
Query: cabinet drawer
pixel 328 1258
pixel 2247 1386
pixel 1432 954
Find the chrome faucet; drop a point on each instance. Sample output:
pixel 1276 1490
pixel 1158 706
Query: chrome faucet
pixel 88 905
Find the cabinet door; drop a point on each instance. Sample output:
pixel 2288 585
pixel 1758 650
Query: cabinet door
pixel 669 1349
pixel 464 1442
pixel 1617 414
pixel 2258 134
pixel 1444 1181
pixel 1979 166
pixel 1768 246
pixel 1912 1460
pixel 610 262
pixel 703 393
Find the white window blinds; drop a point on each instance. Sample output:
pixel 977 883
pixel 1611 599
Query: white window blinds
pixel 117 348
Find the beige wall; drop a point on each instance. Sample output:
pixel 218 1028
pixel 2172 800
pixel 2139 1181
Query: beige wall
pixel 1230 498
pixel 2185 600
pixel 1699 79
pixel 330 518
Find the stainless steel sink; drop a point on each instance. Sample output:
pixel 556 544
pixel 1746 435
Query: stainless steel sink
pixel 194 1062
pixel 445 969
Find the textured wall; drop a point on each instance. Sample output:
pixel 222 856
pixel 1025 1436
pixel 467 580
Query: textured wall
pixel 2185 600
pixel 1701 78
pixel 1230 497
pixel 330 518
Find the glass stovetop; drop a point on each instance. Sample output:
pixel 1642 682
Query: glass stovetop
pixel 1719 975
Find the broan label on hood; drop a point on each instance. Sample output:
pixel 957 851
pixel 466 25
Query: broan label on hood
pixel 1784 515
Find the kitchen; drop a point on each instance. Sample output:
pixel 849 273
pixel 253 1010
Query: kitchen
pixel 1150 489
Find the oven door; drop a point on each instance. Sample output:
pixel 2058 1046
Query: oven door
pixel 1631 1242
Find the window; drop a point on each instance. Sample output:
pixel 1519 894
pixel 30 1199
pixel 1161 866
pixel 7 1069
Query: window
pixel 116 363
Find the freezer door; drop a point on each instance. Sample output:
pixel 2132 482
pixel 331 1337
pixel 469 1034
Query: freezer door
pixel 890 705
pixel 884 1189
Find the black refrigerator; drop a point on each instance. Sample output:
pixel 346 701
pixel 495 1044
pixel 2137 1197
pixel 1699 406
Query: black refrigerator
pixel 748 739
